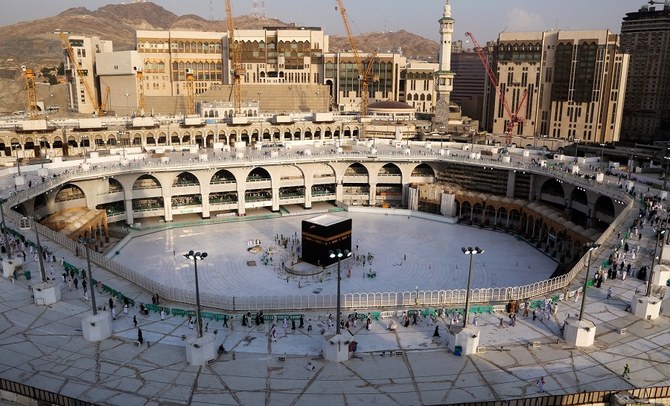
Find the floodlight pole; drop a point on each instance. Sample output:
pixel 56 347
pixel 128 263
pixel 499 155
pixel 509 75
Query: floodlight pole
pixel 338 254
pixel 471 252
pixel 195 256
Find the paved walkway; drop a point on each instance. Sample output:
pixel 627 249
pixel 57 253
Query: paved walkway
pixel 43 347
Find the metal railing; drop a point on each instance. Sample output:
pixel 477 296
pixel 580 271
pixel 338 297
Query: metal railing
pixel 44 397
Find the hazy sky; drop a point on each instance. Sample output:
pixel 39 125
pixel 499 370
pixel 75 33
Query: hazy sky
pixel 484 18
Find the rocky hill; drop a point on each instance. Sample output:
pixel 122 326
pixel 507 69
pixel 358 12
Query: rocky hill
pixel 34 42
pixel 411 45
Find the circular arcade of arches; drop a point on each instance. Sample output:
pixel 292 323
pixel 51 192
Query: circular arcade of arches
pixel 30 145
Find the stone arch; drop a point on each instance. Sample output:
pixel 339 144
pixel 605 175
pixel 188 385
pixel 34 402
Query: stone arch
pixel 146 181
pixel 222 176
pixel 466 211
pixel 423 170
pixel 68 192
pixel 40 201
pixel 356 169
pixel 390 169
pixel 114 186
pixel 489 216
pixel 477 212
pixel 294 171
pixel 185 179
pixel 579 195
pixel 553 187
pixel 174 138
pixel 209 140
pixel 604 212
pixel 604 205
pixel 503 216
pixel 258 174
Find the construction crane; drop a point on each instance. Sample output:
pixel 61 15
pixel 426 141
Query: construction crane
pixel 81 74
pixel 236 61
pixel 105 99
pixel 364 73
pixel 33 110
pixel 190 93
pixel 514 118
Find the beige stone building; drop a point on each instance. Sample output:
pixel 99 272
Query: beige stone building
pixel 118 72
pixel 576 82
pixel 417 86
pixel 85 50
pixel 342 78
pixel 286 69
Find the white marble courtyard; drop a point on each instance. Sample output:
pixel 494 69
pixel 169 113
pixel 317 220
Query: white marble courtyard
pixel 408 253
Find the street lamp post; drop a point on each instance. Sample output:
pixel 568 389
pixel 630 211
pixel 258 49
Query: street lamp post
pixel 339 254
pixel 86 242
pixel 590 248
pixel 471 252
pixel 576 150
pixel 195 256
pixel 602 154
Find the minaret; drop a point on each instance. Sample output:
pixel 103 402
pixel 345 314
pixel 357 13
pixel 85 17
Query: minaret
pixel 444 78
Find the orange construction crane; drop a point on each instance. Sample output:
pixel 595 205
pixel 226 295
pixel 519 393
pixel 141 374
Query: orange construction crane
pixel 81 74
pixel 236 60
pixel 514 118
pixel 364 73
pixel 33 110
pixel 105 99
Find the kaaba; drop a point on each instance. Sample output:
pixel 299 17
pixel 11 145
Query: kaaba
pixel 323 234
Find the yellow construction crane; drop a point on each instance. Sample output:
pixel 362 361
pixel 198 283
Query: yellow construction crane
pixel 364 73
pixel 81 74
pixel 105 99
pixel 33 110
pixel 236 60
pixel 190 93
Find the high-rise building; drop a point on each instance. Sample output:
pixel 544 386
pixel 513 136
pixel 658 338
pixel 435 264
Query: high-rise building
pixel 469 83
pixel 342 77
pixel 645 36
pixel 575 83
pixel 85 50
